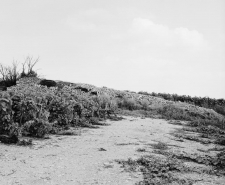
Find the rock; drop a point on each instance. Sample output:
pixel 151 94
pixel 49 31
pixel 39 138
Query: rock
pixel 94 93
pixel 48 83
pixel 102 149
pixel 84 89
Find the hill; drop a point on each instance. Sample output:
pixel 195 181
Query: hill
pixel 30 108
pixel 171 134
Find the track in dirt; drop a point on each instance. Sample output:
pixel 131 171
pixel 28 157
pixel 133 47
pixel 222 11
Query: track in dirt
pixel 89 158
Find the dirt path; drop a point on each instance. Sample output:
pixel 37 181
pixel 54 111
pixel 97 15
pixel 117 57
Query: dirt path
pixel 88 158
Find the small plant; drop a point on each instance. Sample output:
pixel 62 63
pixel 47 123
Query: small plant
pixel 67 132
pixel 160 146
pixel 25 142
pixel 156 170
pixel 141 150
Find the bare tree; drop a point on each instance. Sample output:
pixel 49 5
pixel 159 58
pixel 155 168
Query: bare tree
pixel 29 64
pixel 13 72
pixel 3 72
pixel 10 74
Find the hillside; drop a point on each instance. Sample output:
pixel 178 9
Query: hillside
pixel 156 141
pixel 53 105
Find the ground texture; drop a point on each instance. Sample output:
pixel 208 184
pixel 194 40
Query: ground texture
pixel 91 156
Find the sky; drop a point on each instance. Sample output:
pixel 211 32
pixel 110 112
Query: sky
pixel 167 46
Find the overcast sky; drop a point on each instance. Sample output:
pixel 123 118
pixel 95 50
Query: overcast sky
pixel 171 46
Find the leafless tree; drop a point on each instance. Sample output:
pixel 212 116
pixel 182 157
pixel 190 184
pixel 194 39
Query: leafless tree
pixel 27 67
pixel 3 71
pixel 10 73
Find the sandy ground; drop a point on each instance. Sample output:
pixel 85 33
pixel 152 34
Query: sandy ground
pixel 89 158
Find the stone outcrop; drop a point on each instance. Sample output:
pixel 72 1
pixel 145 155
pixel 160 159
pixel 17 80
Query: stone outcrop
pixel 48 83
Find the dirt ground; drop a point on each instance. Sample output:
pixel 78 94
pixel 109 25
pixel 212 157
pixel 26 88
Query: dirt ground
pixel 89 157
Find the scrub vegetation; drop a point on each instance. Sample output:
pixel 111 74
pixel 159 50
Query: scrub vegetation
pixel 35 107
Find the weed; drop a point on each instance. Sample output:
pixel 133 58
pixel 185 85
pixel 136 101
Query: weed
pixel 141 150
pixel 160 146
pixel 67 132
pixel 25 142
pixel 156 170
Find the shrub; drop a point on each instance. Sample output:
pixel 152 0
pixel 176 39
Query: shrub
pixel 145 104
pixel 129 103
pixel 6 116
pixel 174 112
pixel 36 128
pixel 220 158
pixel 60 111
pixel 220 109
pixel 103 106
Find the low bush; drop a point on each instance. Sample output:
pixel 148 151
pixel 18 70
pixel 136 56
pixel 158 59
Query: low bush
pixel 34 110
pixel 129 103
pixel 145 104
pixel 174 112
pixel 156 170
pixel 36 128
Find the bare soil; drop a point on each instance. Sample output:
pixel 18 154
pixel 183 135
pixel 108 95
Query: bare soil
pixel 90 156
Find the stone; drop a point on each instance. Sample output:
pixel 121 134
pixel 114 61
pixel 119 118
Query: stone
pixel 48 83
pixel 83 89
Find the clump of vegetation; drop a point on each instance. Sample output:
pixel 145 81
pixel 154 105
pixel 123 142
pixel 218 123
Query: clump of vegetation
pixel 68 132
pixel 25 142
pixel 214 135
pixel 220 161
pixel 30 109
pixel 128 103
pixel 192 138
pixel 216 104
pixel 141 150
pixel 37 109
pixel 160 146
pixel 211 125
pixel 11 74
pixel 156 170
pixel 28 67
